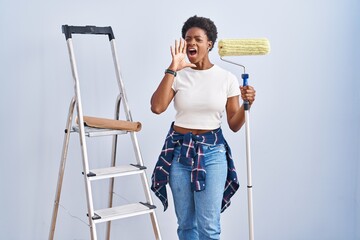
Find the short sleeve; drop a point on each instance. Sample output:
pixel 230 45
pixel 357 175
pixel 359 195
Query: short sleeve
pixel 174 87
pixel 233 86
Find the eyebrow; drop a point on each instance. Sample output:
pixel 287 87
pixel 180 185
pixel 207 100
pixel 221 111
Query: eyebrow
pixel 196 36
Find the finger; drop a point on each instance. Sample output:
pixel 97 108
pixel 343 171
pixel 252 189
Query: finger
pixel 250 98
pixel 248 87
pixel 243 93
pixel 249 90
pixel 250 95
pixel 172 51
pixel 176 47
pixel 183 46
pixel 190 65
pixel 242 89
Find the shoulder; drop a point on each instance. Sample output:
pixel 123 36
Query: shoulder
pixel 185 72
pixel 223 72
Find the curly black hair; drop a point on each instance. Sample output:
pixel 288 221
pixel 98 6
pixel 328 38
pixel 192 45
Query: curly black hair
pixel 205 24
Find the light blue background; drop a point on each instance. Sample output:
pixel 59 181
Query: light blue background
pixel 304 124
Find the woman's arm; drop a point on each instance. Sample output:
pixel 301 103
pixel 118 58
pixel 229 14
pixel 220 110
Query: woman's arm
pixel 164 94
pixel 234 112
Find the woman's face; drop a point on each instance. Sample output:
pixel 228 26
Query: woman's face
pixel 198 44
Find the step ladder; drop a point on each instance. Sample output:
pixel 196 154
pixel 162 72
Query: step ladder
pixel 112 212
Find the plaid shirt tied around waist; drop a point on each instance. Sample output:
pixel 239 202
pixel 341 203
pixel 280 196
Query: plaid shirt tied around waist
pixel 191 155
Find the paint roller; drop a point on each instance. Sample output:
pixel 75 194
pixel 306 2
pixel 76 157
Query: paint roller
pixel 245 47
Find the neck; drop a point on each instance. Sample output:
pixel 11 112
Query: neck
pixel 203 65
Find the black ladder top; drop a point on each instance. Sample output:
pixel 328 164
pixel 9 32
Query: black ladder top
pixel 68 30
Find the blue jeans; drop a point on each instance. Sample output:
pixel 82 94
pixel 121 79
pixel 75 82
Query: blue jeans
pixel 198 213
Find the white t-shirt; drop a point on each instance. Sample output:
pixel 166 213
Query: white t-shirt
pixel 201 95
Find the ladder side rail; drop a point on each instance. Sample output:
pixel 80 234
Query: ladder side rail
pixel 125 102
pixel 62 168
pixel 133 137
pixel 155 225
pixel 82 139
pixel 120 81
pixel 140 162
pixel 129 118
pixel 113 163
pixel 145 184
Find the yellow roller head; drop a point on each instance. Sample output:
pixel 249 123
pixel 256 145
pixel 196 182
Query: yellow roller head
pixel 243 47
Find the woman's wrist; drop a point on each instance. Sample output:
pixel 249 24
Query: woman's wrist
pixel 170 71
pixel 173 66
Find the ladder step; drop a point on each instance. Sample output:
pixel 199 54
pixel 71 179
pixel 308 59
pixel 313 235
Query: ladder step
pixel 124 170
pixel 98 132
pixel 124 211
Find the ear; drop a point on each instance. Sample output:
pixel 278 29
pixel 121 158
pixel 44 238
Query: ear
pixel 210 44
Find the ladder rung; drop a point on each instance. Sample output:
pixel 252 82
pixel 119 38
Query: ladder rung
pixel 97 132
pixel 124 211
pixel 124 170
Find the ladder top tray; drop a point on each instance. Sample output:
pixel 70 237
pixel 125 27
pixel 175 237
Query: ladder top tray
pixel 97 132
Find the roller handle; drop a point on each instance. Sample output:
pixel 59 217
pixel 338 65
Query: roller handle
pixel 69 30
pixel 245 78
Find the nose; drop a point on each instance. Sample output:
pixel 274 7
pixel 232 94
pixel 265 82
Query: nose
pixel 191 42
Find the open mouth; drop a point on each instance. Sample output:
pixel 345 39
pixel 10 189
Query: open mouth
pixel 192 51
